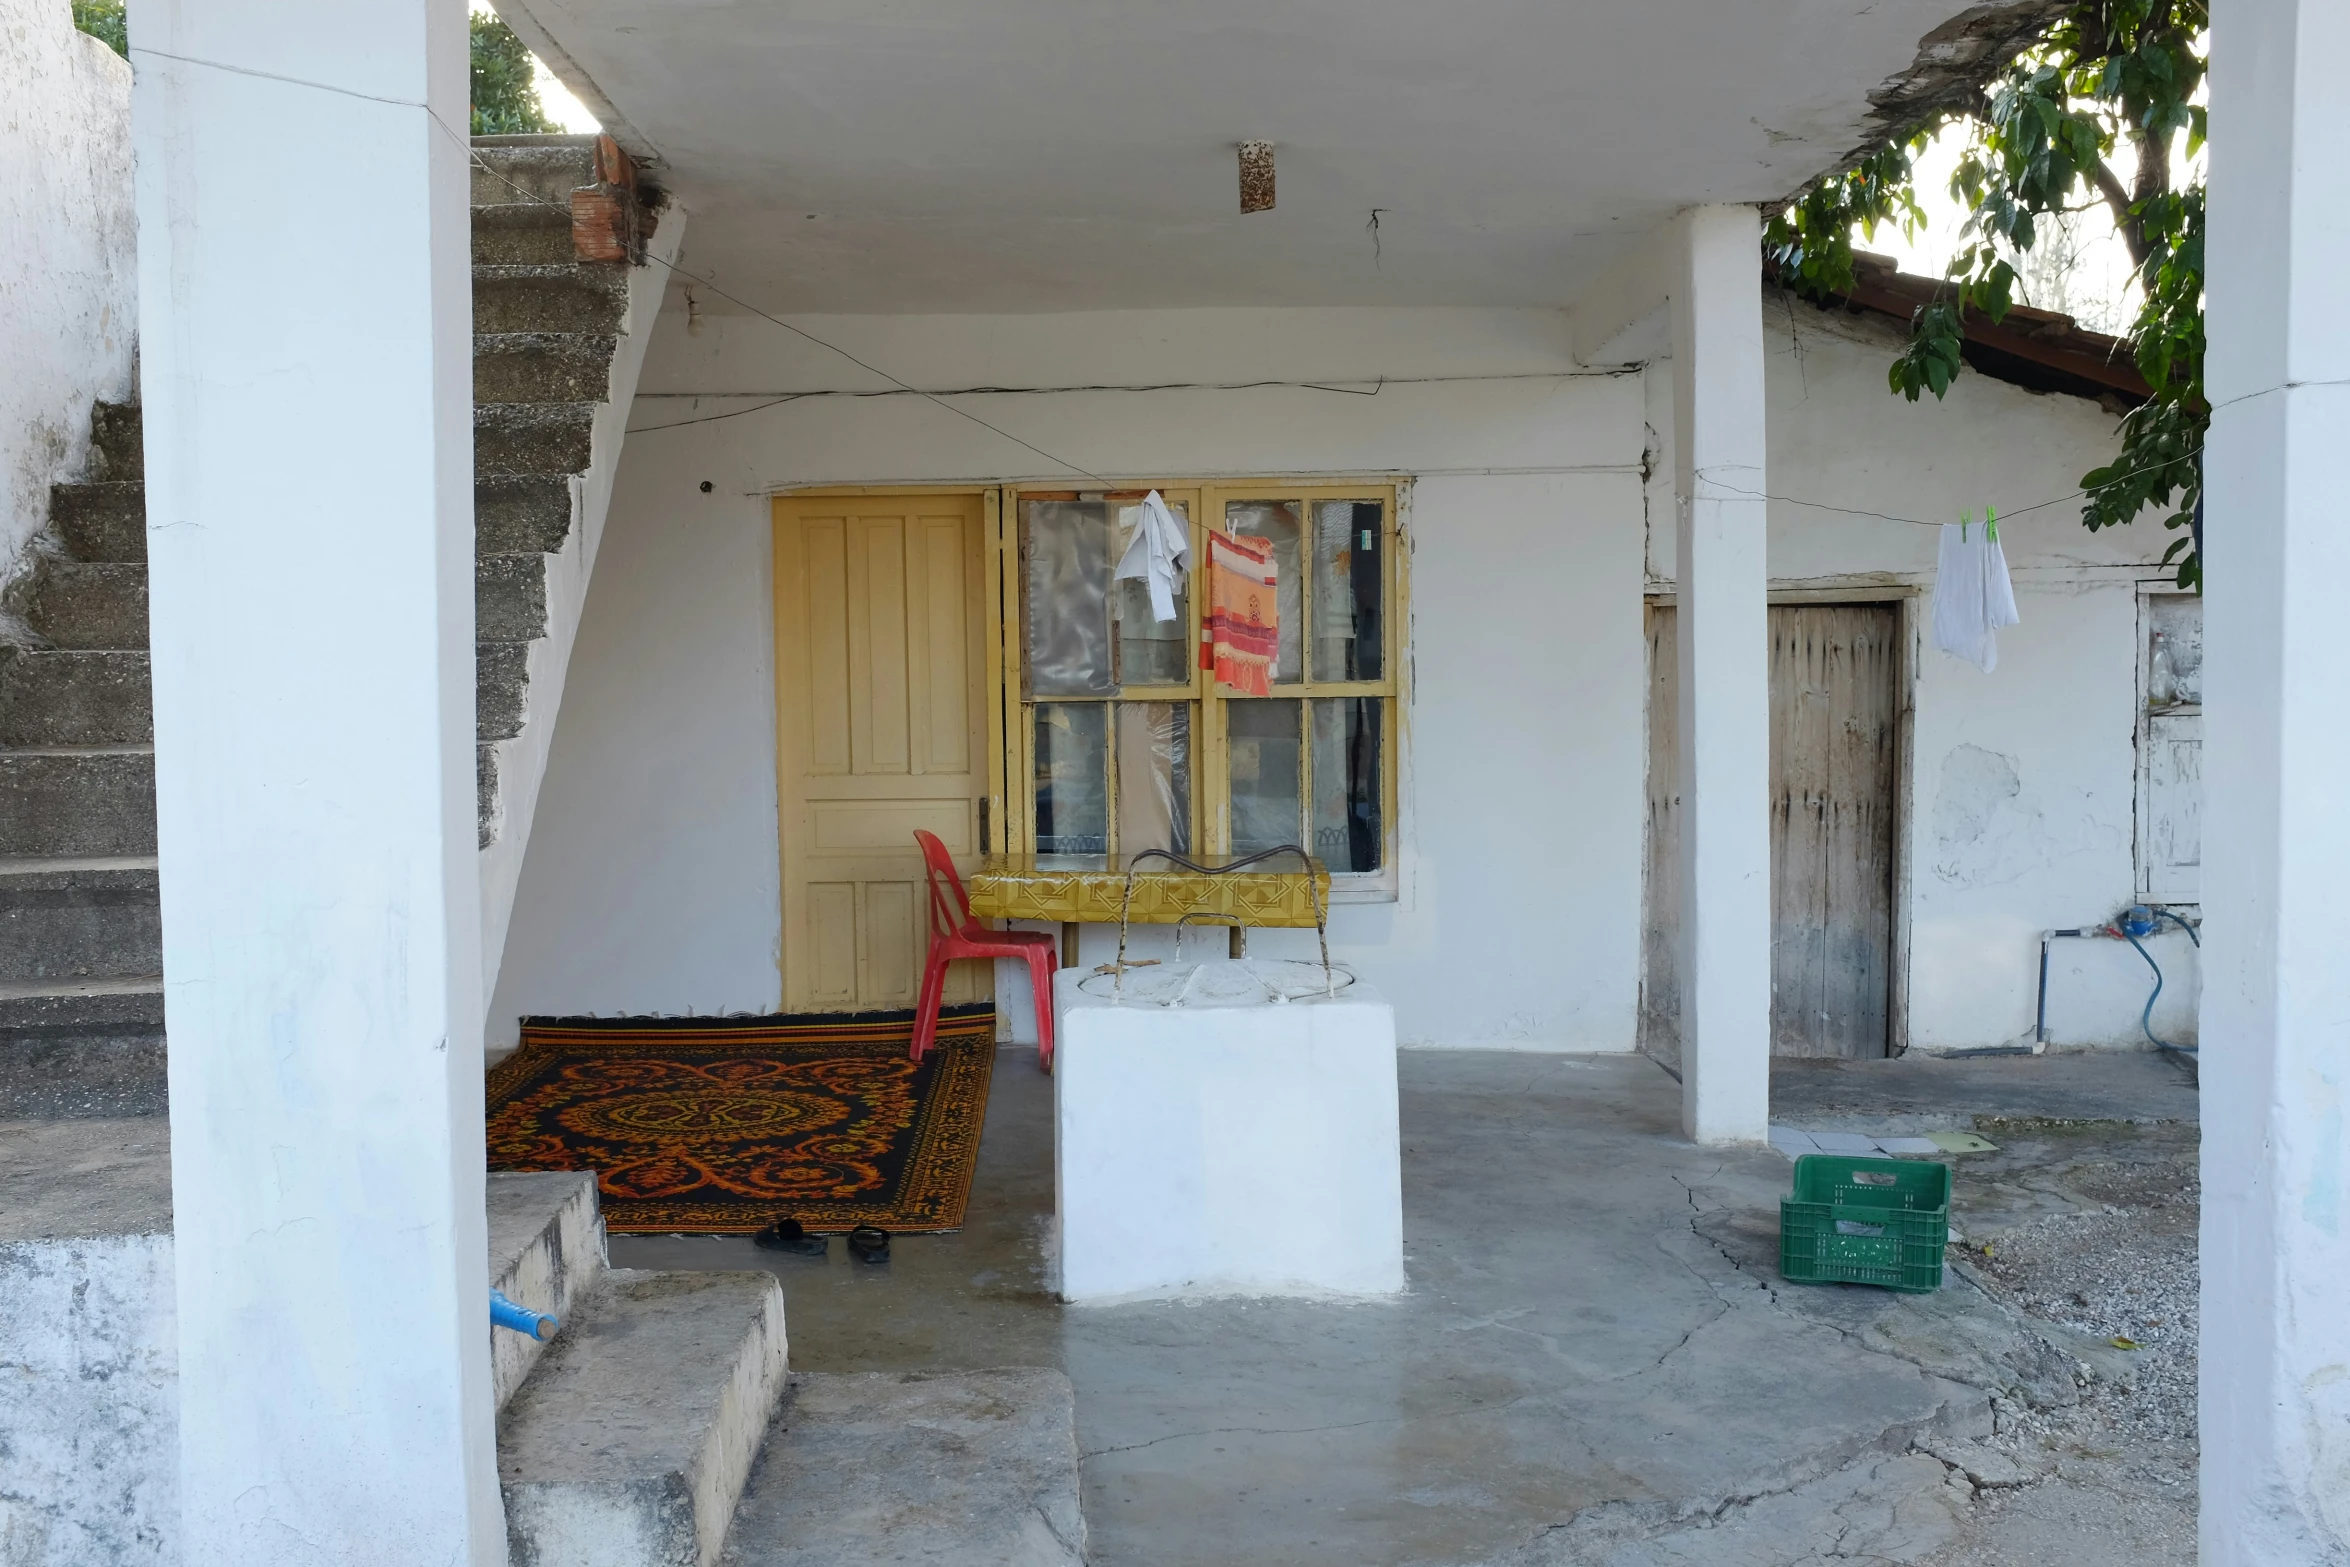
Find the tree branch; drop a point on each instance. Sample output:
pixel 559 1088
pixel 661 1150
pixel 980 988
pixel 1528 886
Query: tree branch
pixel 2118 199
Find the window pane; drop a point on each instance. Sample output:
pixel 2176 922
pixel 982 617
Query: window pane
pixel 1347 828
pixel 1264 747
pixel 1072 778
pixel 1151 652
pixel 1068 549
pixel 1347 590
pixel 1277 521
pixel 1154 776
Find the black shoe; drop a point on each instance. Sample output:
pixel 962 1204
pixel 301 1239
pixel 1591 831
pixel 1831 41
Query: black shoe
pixel 787 1235
pixel 868 1244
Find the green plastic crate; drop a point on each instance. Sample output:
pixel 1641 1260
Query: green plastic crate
pixel 1866 1221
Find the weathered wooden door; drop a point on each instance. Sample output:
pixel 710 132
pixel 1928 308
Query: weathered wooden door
pixel 880 730
pixel 1835 692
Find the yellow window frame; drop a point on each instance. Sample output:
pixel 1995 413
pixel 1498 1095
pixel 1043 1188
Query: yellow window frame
pixel 1012 713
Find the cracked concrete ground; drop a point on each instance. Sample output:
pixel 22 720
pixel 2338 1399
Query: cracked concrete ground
pixel 1596 1361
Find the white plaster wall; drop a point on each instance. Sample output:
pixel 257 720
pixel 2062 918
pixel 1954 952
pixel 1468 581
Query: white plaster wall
pixel 651 882
pixel 68 272
pixel 89 1402
pixel 2022 798
pixel 522 759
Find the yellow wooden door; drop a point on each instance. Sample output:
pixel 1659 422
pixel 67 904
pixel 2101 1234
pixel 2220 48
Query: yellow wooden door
pixel 881 730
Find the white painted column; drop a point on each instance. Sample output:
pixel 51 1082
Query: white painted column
pixel 1724 713
pixel 305 323
pixel 2275 1408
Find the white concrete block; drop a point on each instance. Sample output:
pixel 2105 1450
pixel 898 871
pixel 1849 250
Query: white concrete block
pixel 1226 1148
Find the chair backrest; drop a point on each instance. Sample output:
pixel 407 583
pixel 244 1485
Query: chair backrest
pixel 950 909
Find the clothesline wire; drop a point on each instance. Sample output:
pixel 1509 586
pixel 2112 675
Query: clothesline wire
pixel 1922 522
pixel 904 388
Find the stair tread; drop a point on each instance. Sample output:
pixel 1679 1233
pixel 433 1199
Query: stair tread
pixel 631 1439
pixel 546 1250
pixel 633 1383
pixel 74 864
pixel 98 985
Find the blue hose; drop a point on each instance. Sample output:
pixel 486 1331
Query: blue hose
pixel 521 1319
pixel 2153 922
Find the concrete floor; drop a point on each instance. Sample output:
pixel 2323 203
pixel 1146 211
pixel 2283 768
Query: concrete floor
pixel 1594 1318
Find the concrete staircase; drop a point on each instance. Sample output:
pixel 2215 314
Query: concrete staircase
pixel 627 1440
pixel 556 349
pixel 81 956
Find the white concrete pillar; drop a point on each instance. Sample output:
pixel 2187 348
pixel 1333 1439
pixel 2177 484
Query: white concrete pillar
pixel 1723 642
pixel 2276 838
pixel 305 324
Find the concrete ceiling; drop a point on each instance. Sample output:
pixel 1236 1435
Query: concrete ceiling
pixel 1026 155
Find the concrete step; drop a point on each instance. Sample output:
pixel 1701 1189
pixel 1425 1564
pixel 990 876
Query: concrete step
pixel 531 168
pixel 546 1252
pixel 501 681
pixel 963 1469
pixel 82 1048
pixel 542 367
pixel 579 296
pixel 514 230
pixel 509 598
pixel 77 802
pixel 521 513
pixel 533 437
pixel 79 919
pixel 101 522
pixel 87 604
pixel 630 1442
pixel 117 452
pixel 74 698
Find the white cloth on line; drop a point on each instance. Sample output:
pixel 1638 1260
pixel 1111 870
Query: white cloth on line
pixel 1159 553
pixel 1973 597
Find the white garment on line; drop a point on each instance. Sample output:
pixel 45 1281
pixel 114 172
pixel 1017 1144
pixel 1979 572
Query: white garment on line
pixel 1973 597
pixel 1159 554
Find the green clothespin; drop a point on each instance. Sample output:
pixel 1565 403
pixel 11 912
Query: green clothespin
pixel 1966 520
pixel 1991 524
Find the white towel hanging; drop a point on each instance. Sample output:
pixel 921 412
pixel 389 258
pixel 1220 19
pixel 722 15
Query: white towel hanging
pixel 1973 596
pixel 1159 554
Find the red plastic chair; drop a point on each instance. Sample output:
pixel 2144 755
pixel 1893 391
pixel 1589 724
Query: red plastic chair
pixel 954 933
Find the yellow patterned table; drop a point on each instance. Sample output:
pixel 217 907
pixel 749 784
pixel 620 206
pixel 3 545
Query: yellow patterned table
pixel 1089 889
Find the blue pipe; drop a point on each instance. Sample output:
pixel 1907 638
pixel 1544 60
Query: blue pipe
pixel 534 1324
pixel 2139 920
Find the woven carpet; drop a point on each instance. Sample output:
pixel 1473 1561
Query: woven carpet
pixel 717 1126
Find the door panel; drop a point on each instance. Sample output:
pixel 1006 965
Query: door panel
pixel 878 671
pixel 1835 684
pixel 1832 735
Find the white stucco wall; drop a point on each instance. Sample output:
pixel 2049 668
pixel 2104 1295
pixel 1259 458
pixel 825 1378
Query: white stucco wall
pixel 68 308
pixel 2021 808
pixel 651 884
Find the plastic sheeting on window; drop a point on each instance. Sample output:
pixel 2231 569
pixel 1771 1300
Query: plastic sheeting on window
pixel 1067 544
pixel 1347 590
pixel 1154 776
pixel 1278 521
pixel 1087 632
pixel 1263 747
pixel 1072 778
pixel 1348 832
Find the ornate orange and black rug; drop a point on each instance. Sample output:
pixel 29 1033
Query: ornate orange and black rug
pixel 717 1126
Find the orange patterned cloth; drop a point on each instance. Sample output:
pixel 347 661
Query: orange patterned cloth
pixel 1244 615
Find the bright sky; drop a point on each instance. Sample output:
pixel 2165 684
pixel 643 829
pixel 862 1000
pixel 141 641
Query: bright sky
pixel 565 110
